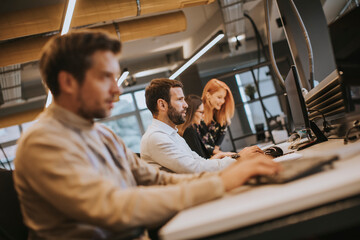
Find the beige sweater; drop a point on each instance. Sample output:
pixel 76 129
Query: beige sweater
pixel 77 180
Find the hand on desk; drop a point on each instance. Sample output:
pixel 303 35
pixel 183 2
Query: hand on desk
pixel 249 153
pixel 238 173
pixel 221 155
pixel 245 154
pixel 216 150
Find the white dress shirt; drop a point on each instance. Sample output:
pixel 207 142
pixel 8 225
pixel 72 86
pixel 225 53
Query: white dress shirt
pixel 164 148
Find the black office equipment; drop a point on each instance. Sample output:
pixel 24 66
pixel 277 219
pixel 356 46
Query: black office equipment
pixel 274 151
pixel 299 113
pixel 313 17
pixel 336 100
pixel 298 109
pixel 328 98
pixel 260 132
pixel 11 221
pixel 337 96
pixel 296 169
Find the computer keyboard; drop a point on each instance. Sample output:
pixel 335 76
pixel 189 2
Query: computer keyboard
pixel 295 169
pixel 288 156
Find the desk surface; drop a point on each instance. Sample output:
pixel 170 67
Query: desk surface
pixel 248 205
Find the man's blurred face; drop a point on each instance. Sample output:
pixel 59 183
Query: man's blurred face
pixel 99 88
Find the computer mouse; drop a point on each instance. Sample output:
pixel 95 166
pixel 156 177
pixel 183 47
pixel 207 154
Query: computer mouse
pixel 274 151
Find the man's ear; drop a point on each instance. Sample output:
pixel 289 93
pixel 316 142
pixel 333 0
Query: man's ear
pixel 67 83
pixel 161 105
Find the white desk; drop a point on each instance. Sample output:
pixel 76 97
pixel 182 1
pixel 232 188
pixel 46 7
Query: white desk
pixel 247 205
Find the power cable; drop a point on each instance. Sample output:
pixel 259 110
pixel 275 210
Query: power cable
pixel 271 50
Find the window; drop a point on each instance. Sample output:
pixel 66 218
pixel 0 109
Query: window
pixel 9 134
pixel 146 118
pixel 140 99
pixel 128 130
pixel 124 105
pixel 130 118
pixel 262 105
pixel 8 137
pixel 26 125
pixel 7 156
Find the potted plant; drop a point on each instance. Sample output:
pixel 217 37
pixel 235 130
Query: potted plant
pixel 250 91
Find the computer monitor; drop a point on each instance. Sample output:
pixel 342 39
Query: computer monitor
pixel 312 15
pixel 298 108
pixel 299 114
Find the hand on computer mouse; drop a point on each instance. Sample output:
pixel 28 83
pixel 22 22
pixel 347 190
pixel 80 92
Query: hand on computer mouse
pixel 274 151
pixel 250 152
pixel 238 173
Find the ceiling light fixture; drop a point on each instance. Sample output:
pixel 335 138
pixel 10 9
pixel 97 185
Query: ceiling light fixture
pixel 216 38
pixel 48 99
pixel 123 77
pixel 153 71
pixel 238 38
pixel 68 16
pixel 65 29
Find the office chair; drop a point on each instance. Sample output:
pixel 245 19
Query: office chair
pixel 12 226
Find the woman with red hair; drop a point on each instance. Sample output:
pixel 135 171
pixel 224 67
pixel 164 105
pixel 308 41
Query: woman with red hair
pixel 219 108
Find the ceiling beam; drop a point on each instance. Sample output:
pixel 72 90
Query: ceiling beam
pixel 87 12
pixel 28 49
pixel 149 27
pixel 19 118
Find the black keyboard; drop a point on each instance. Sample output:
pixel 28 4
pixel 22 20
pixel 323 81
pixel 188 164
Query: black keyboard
pixel 294 169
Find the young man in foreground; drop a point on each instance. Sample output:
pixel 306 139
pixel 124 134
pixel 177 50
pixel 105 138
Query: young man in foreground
pixel 75 178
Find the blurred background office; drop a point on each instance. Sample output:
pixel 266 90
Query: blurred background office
pixel 157 41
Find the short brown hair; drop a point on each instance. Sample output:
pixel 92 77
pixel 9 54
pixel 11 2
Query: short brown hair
pixel 73 53
pixel 159 89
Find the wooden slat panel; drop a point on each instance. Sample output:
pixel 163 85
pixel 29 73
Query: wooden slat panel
pixel 153 6
pixel 31 22
pixel 148 27
pixel 28 49
pixel 19 118
pixel 94 11
pixel 152 26
pixel 48 19
pixel 22 50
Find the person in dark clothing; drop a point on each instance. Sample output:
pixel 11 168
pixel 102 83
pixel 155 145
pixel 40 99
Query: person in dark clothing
pixel 190 131
pixel 218 111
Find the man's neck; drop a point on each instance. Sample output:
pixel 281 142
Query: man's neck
pixel 68 105
pixel 165 120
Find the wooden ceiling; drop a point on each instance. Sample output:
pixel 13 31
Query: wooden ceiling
pixel 23 32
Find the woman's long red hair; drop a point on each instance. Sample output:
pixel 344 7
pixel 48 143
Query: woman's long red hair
pixel 226 112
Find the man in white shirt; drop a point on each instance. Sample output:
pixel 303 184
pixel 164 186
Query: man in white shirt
pixel 162 146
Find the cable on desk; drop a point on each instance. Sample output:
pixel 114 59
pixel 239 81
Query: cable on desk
pixel 326 125
pixel 356 126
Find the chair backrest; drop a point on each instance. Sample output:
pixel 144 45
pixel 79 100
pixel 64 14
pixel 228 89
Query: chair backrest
pixel 11 221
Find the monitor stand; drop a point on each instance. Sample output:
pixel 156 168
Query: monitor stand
pixel 320 137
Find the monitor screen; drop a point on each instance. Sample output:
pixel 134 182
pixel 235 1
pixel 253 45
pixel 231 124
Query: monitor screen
pixel 298 109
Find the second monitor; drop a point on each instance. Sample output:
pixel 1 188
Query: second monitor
pixel 299 112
